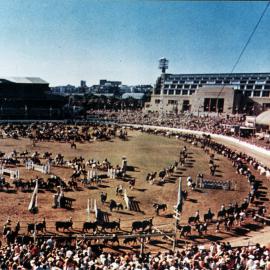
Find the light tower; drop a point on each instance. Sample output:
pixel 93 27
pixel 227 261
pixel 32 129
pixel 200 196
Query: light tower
pixel 163 64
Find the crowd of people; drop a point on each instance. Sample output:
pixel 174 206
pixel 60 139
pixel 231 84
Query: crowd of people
pixel 80 254
pixel 218 124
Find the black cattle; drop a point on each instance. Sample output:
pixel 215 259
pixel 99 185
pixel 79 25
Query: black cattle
pixel 158 207
pixel 136 225
pixel 129 240
pixel 184 230
pixel 114 204
pixel 40 227
pixel 112 225
pixel 89 226
pixel 65 225
pixel 113 240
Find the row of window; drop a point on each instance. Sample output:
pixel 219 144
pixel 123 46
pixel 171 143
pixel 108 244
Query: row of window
pixel 190 92
pixel 178 92
pixel 252 79
pixel 195 85
pixel 257 93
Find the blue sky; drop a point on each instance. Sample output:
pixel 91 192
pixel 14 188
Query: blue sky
pixel 65 41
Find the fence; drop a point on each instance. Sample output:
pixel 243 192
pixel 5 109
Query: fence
pixel 211 184
pixel 14 174
pixel 46 168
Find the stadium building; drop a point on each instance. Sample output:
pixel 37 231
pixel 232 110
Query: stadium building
pixel 28 98
pixel 206 93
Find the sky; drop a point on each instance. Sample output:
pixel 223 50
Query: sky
pixel 65 41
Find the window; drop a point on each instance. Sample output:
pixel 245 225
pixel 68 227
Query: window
pixel 249 86
pixel 242 87
pixel 186 86
pixel 247 93
pixel 171 92
pixel 178 92
pixel 165 92
pixel 186 105
pixel 184 92
pixel 172 102
pixel 265 93
pixel 258 86
pixel 211 103
pixel 193 86
pixel 191 92
pixel 257 93
pixel 157 101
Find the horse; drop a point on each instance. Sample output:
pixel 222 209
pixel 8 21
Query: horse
pixel 39 226
pixel 201 228
pixel 114 204
pixel 221 213
pixel 158 207
pixel 103 197
pixel 193 219
pixel 208 217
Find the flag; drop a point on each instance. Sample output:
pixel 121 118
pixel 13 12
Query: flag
pixel 179 197
pixel 88 211
pixel 33 206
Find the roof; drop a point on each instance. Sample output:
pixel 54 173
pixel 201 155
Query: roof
pixel 263 118
pixel 28 80
pixel 133 95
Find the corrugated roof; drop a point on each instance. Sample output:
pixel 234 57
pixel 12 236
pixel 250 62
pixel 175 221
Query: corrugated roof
pixel 29 80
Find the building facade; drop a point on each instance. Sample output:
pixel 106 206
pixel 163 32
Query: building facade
pixel 28 98
pixel 224 93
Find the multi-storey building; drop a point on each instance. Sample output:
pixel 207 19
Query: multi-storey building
pixel 221 92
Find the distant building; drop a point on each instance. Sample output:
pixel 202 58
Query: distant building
pixel 107 88
pixel 28 97
pixel 221 92
pixel 66 89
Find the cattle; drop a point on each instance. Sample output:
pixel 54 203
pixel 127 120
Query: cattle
pixel 89 226
pixel 184 230
pixel 129 240
pixel 136 225
pixel 65 225
pixel 112 225
pixel 39 227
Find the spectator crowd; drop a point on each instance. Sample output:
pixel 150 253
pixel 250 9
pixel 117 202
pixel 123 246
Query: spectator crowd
pixel 56 255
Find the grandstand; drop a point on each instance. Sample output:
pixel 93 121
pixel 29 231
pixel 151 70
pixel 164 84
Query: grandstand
pixel 205 93
pixel 28 98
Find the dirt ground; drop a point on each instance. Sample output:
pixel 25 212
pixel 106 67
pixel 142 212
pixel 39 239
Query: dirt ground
pixel 146 153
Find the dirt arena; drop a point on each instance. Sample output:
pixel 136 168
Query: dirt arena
pixel 146 153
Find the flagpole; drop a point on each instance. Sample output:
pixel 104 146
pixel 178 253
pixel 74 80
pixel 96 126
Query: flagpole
pixel 177 211
pixel 88 211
